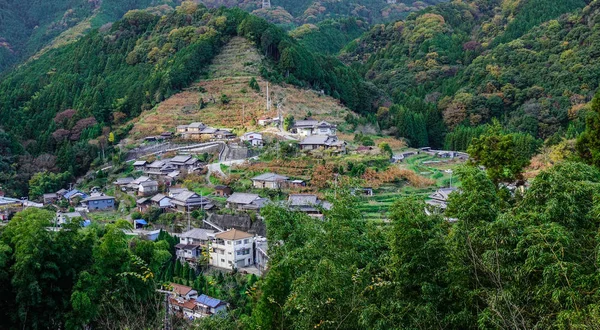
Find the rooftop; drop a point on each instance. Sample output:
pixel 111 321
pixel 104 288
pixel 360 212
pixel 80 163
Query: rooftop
pixel 181 159
pixel 303 199
pixel 320 139
pixel 181 289
pixel 151 183
pixel 242 198
pixel 197 233
pixel 272 177
pixel 208 301
pixel 98 198
pixel 158 197
pixel 233 234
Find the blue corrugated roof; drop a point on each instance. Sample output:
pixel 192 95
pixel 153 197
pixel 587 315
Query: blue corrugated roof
pixel 86 223
pixel 208 301
pixel 141 221
pixel 69 194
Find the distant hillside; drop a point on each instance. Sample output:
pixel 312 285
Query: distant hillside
pixel 27 26
pixel 230 74
pixel 482 59
pixel 300 12
pixel 329 36
pixel 61 107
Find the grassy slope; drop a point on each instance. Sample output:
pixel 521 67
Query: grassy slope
pixel 230 74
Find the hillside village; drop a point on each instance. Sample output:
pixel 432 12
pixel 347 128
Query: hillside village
pixel 206 186
pixel 300 164
pixel 202 171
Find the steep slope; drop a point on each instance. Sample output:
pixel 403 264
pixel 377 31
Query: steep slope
pixel 329 36
pixel 313 11
pixel 62 106
pixel 452 55
pixel 28 26
pixel 230 74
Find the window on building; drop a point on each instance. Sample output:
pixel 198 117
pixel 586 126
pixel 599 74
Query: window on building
pixel 238 242
pixel 222 260
pixel 246 241
pixel 228 242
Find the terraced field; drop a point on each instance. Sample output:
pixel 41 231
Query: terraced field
pixel 230 75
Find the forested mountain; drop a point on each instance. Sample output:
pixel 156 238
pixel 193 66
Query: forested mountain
pixel 329 36
pixel 299 12
pixel 482 59
pixel 80 92
pixel 27 26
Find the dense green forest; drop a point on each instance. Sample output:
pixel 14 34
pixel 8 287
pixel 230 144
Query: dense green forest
pixel 479 60
pixel 297 12
pixel 62 106
pixel 329 36
pixel 27 26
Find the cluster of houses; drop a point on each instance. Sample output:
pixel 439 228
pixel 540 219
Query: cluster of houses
pixel 183 200
pixel 9 206
pixel 200 131
pixel 231 249
pixel 169 169
pixel 318 135
pixel 95 201
pixel 186 303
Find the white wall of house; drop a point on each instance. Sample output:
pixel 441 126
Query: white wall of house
pixel 230 254
pixel 307 131
pixel 325 131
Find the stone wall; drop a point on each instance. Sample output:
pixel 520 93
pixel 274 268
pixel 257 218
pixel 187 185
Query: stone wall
pixel 239 222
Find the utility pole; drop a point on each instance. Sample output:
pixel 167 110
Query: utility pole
pixel 189 221
pixel 268 99
pixel 280 116
pixel 166 323
pixel 202 206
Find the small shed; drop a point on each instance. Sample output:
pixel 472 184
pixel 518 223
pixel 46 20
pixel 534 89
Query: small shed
pixel 140 223
pixel 223 191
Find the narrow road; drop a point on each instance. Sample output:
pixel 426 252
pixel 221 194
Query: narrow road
pixel 216 167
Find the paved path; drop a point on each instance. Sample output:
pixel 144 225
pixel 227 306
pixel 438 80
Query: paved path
pixel 216 167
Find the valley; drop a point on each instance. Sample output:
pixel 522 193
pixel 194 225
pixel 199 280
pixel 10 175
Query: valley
pixel 299 164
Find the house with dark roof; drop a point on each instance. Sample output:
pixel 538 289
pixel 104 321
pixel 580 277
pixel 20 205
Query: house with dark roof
pixel 269 181
pixel 324 142
pixel 161 201
pixel 139 165
pixel 223 191
pixel 148 188
pixel 68 217
pixel 50 198
pixel 308 203
pixel 245 201
pixel 439 199
pixel 188 201
pixel 99 203
pixel 121 182
pixel 143 204
pixel 232 249
pixel 191 244
pixel 313 127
